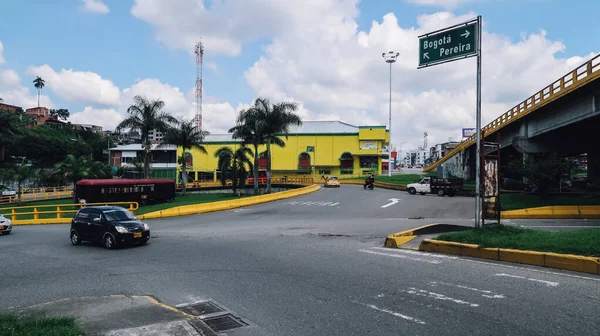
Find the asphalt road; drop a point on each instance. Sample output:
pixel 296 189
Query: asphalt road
pixel 311 265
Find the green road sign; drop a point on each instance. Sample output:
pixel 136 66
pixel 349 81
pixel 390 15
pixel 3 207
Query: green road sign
pixel 310 149
pixel 447 46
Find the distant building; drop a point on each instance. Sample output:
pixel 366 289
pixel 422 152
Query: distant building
pixel 87 127
pixel 39 114
pixel 163 160
pixel 9 108
pixel 155 136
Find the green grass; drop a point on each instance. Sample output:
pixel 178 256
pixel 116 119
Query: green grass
pixel 10 325
pixel 580 242
pixel 179 200
pixel 522 201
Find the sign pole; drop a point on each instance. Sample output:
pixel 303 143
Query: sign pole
pixel 478 201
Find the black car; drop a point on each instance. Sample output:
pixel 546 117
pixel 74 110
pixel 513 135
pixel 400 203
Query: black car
pixel 112 225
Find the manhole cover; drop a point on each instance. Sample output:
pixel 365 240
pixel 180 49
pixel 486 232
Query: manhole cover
pixel 224 323
pixel 202 308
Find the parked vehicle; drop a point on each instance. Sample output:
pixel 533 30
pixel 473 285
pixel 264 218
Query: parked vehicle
pixel 5 225
pixel 112 225
pixel 6 191
pixel 262 177
pixel 436 185
pixel 125 190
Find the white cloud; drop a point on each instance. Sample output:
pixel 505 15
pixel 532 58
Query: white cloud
pixel 100 117
pixel 447 4
pixel 14 93
pixel 1 53
pixel 94 6
pixel 78 86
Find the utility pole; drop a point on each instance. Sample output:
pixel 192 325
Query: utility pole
pixel 390 57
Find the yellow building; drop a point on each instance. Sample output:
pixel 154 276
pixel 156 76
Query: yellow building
pixel 315 148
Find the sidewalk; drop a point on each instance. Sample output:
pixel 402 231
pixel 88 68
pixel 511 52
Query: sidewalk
pixel 121 315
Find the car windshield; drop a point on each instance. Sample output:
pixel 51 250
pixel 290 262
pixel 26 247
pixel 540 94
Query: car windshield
pixel 333 178
pixel 118 215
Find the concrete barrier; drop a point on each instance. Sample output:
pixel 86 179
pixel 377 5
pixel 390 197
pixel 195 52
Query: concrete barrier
pixel 545 259
pixel 555 212
pixel 398 239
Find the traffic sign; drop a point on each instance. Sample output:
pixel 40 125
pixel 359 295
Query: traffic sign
pixel 449 45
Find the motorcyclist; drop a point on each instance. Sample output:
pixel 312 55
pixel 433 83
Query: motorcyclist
pixel 369 180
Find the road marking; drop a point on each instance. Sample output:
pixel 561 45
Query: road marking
pixel 401 256
pixel 313 203
pixel 425 254
pixel 393 201
pixel 547 283
pixel 393 313
pixel 437 296
pixel 485 293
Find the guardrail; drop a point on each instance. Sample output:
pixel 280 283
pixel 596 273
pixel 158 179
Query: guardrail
pixel 36 197
pixel 59 210
pixel 279 180
pixel 568 83
pixel 42 190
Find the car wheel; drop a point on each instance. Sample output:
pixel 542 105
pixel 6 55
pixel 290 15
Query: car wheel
pixel 75 240
pixel 412 191
pixel 143 242
pixel 109 241
pixel 441 192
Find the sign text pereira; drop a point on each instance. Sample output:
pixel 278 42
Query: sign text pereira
pixel 455 43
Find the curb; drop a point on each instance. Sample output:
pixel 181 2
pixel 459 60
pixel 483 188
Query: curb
pixel 195 208
pixel 395 240
pixel 545 259
pixel 382 185
pixel 554 212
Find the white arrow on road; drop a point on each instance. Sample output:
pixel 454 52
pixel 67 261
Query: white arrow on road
pixel 466 34
pixel 393 201
pixel 426 55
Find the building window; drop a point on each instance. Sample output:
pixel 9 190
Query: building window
pixel 324 172
pixel 346 164
pixel 304 163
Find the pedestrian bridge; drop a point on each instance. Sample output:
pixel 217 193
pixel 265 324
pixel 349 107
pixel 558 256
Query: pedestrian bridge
pixel 581 80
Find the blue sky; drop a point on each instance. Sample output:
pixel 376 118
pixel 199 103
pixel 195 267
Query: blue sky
pixel 123 49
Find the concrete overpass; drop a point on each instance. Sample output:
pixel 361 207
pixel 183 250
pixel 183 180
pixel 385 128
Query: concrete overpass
pixel 563 117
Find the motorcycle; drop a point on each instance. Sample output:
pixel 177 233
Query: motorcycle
pixel 369 185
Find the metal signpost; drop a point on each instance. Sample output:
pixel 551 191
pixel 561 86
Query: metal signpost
pixel 451 44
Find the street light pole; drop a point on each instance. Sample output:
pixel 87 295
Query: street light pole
pixel 390 57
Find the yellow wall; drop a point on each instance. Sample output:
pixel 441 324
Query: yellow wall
pixel 372 133
pixel 327 152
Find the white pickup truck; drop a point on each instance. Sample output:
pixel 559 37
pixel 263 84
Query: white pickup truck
pixel 435 185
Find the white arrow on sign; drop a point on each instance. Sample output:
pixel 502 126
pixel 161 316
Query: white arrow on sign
pixel 426 55
pixel 466 34
pixel 393 201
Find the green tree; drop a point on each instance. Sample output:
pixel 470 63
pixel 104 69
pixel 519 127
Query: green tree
pixel 21 173
pixel 76 168
pixel 143 116
pixel 278 118
pixel 234 164
pixel 62 114
pixel 39 84
pixel 251 130
pixel 187 136
pixel 543 170
pixel 8 130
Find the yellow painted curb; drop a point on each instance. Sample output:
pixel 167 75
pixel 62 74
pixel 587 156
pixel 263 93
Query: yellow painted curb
pixel 194 208
pixel 228 205
pixel 398 239
pixel 546 259
pixel 554 212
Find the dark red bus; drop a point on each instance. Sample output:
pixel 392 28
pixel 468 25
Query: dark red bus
pixel 143 191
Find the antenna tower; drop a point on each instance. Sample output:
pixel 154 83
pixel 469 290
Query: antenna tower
pixel 199 50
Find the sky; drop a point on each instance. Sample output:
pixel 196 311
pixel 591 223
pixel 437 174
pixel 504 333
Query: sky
pixel 325 55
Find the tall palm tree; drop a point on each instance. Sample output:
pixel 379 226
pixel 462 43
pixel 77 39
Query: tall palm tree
pixel 39 84
pixel 251 130
pixel 235 163
pixel 278 118
pixel 143 116
pixel 187 136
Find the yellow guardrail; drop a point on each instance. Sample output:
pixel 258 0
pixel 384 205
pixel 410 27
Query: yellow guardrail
pixel 33 212
pixel 288 180
pixel 42 190
pixel 36 197
pixel 580 76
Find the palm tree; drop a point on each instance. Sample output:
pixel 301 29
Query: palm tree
pixel 251 130
pixel 187 136
pixel 278 118
pixel 39 84
pixel 235 163
pixel 21 173
pixel 76 168
pixel 144 116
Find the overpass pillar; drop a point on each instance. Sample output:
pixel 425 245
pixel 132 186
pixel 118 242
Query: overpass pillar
pixel 593 168
pixel 528 158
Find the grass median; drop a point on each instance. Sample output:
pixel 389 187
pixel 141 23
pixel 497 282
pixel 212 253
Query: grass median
pixel 179 201
pixel 523 201
pixel 581 242
pixel 11 325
